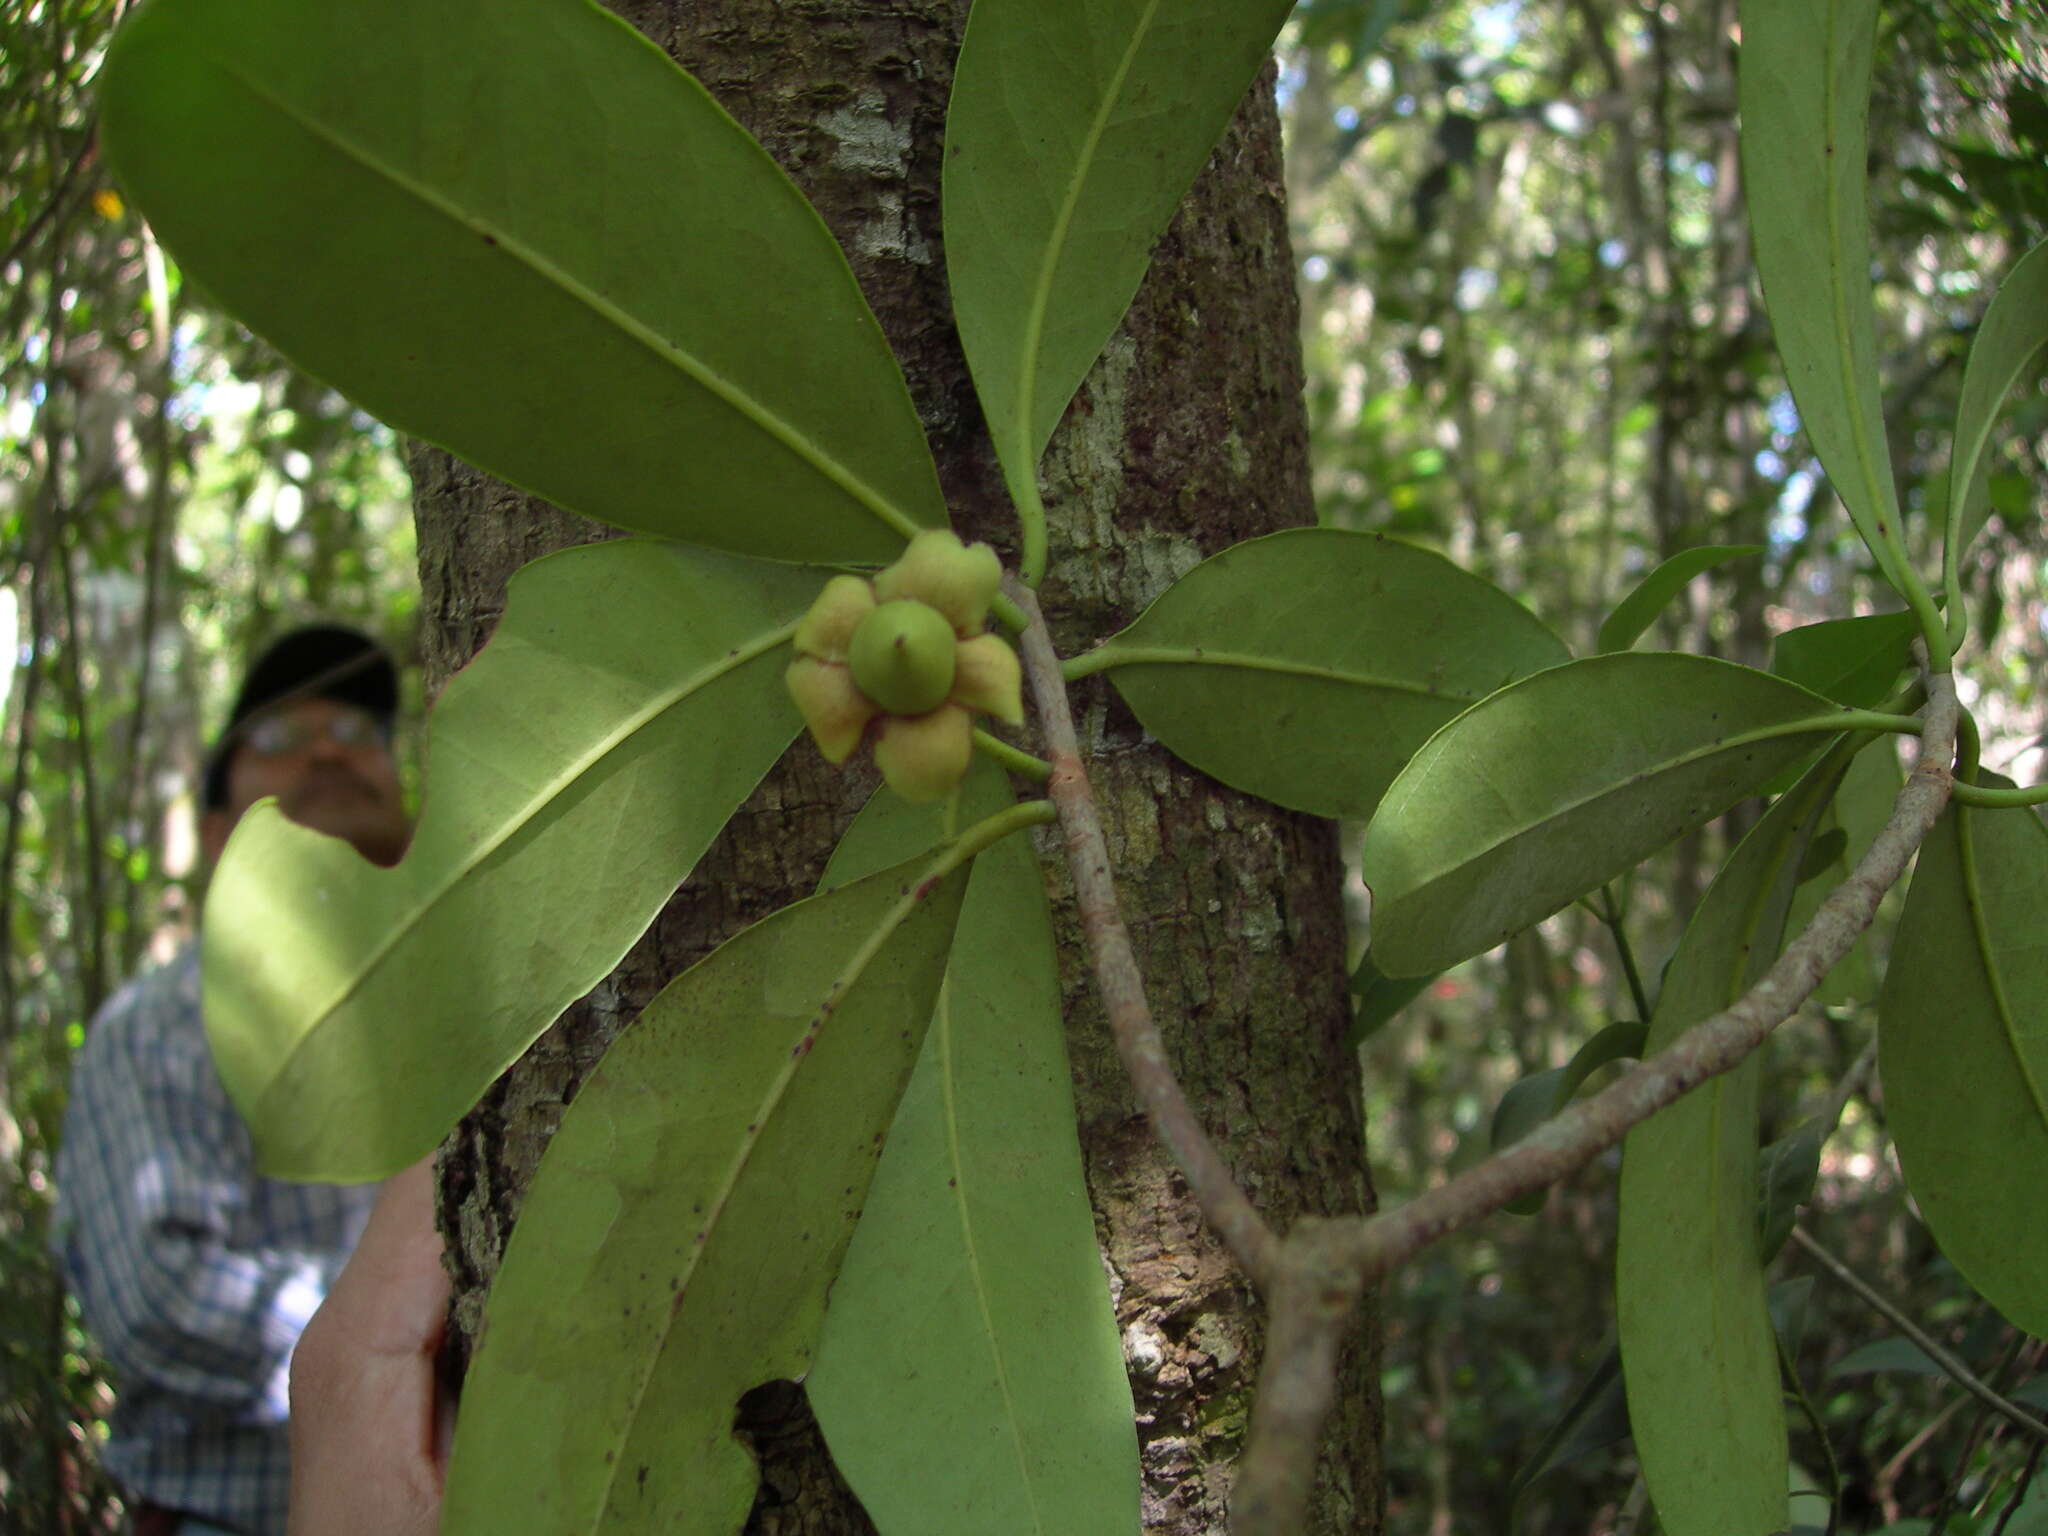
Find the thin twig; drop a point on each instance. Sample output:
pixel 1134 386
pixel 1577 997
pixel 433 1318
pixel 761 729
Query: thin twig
pixel 2019 1491
pixel 1378 1244
pixel 1116 967
pixel 1713 1046
pixel 1960 1373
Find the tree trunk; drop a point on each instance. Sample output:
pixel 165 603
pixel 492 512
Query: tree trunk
pixel 1189 436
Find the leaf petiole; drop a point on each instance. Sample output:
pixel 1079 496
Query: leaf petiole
pixel 986 833
pixel 1014 759
pixel 1987 798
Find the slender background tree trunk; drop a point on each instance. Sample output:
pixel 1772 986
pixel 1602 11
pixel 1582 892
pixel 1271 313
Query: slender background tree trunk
pixel 1188 437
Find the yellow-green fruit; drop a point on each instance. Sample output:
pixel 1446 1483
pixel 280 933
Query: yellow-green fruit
pixel 902 657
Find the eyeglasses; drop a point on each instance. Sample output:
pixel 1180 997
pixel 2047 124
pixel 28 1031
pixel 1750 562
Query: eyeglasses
pixel 345 726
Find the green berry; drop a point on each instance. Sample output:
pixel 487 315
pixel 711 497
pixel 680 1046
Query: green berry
pixel 902 657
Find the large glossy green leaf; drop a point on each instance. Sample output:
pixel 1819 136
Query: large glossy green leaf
pixel 2009 344
pixel 1074 131
pixel 1308 666
pixel 1852 661
pixel 629 701
pixel 518 230
pixel 1697 1348
pixel 679 1238
pixel 970 1378
pixel 1638 611
pixel 1546 789
pixel 1805 100
pixel 1963 1051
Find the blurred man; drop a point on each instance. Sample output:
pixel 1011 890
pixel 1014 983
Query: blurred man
pixel 195 1275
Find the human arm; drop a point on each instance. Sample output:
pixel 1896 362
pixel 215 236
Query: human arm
pixel 369 1423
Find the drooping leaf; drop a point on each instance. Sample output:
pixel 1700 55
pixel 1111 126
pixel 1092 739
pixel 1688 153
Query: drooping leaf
pixel 1886 1355
pixel 1638 611
pixel 1963 1051
pixel 1074 131
pixel 1789 1303
pixel 1804 95
pixel 686 1221
pixel 2009 343
pixel 1594 1420
pixel 1377 998
pixel 1861 807
pixel 1852 661
pixel 630 700
pixel 1548 788
pixel 1308 666
pixel 1787 1170
pixel 1542 1095
pixel 520 231
pixel 970 1378
pixel 1697 1348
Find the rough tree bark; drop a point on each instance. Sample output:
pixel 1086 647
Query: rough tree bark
pixel 1189 436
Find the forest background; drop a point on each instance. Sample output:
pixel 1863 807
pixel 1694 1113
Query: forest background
pixel 1533 339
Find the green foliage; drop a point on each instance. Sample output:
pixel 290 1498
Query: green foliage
pixel 1805 103
pixel 2008 346
pixel 523 886
pixel 679 1239
pixel 1697 1348
pixel 1535 1099
pixel 1638 611
pixel 1514 808
pixel 1852 661
pixel 1074 131
pixel 1350 649
pixel 668 340
pixel 1964 1050
pixel 970 1378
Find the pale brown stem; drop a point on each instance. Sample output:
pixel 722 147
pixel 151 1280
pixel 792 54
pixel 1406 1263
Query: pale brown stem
pixel 1715 1045
pixel 1116 967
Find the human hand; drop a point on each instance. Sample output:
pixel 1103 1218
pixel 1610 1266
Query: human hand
pixel 368 1430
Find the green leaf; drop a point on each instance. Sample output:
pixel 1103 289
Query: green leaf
pixel 1852 661
pixel 687 1219
pixel 970 1377
pixel 1804 95
pixel 1595 1419
pixel 1308 666
pixel 1377 999
pixel 1861 807
pixel 1787 1170
pixel 1697 1349
pixel 518 230
pixel 1789 1303
pixel 1542 1095
pixel 1074 131
pixel 1558 783
pixel 1963 1051
pixel 2009 344
pixel 630 700
pixel 1636 612
pixel 1886 1355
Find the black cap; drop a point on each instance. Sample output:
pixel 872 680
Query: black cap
pixel 320 661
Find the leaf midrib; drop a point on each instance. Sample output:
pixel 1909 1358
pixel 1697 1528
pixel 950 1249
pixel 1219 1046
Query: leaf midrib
pixel 1203 656
pixel 486 847
pixel 1842 355
pixel 1055 246
pixel 1980 933
pixel 704 376
pixel 944 1024
pixel 1806 725
pixel 915 893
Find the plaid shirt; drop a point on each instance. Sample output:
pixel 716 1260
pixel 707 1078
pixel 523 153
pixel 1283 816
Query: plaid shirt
pixel 194 1274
